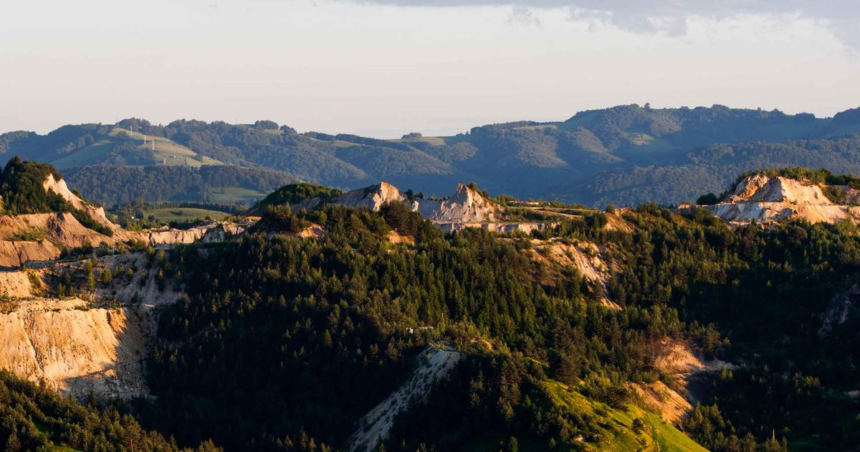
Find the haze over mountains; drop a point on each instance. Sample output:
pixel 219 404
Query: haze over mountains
pixel 623 155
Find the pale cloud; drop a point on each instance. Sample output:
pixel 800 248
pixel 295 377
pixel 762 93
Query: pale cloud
pixel 670 16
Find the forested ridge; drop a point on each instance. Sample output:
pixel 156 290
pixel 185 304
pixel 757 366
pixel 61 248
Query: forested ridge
pixel 37 419
pixel 284 341
pixel 322 326
pixel 22 192
pixel 624 155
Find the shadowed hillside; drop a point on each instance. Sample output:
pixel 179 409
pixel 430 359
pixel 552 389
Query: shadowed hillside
pixel 621 155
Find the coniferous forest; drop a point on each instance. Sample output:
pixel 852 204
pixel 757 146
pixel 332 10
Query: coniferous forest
pixel 284 341
pixel 322 328
pixel 430 226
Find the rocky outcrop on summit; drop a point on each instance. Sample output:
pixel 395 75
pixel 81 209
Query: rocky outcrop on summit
pixel 498 227
pixel 467 208
pixel 372 197
pixel 761 188
pixel 767 199
pixel 59 187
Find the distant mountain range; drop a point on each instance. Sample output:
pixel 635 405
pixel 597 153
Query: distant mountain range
pixel 622 155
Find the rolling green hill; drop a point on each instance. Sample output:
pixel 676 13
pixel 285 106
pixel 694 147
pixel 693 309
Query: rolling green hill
pixel 137 149
pixel 621 155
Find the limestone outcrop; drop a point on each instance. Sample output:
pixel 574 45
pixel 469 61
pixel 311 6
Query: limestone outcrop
pixel 75 350
pixel 42 237
pixel 765 200
pixel 75 346
pixel 372 197
pixel 434 363
pixel 467 208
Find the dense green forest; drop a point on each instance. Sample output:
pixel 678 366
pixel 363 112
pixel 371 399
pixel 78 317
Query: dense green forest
pixel 34 418
pixel 284 343
pixel 713 168
pixel 22 192
pixel 321 326
pixel 116 185
pixel 624 155
pixel 296 193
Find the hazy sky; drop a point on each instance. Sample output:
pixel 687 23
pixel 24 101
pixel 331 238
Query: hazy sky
pixel 387 67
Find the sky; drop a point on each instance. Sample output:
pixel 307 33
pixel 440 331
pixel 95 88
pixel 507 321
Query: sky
pixel 384 68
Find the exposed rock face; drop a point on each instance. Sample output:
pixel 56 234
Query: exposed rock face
pixel 588 258
pixel 395 237
pixel 761 188
pixel 209 231
pixel 433 363
pixel 678 359
pixel 76 351
pixel 16 254
pixel 840 308
pixel 585 256
pixel 63 230
pixel 466 206
pixel 501 228
pixel 373 197
pixel 59 229
pixel 59 187
pixel 466 209
pixel 765 200
pixel 74 347
pixel 18 284
pixel 313 231
pixel 142 286
pixel 667 402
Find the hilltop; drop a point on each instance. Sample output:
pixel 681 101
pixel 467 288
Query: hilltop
pixel 467 207
pixel 41 219
pixel 623 155
pixel 770 196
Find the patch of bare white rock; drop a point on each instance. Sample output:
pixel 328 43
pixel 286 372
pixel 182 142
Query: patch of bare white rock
pixel 467 208
pixel 434 363
pixel 82 347
pixel 765 200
